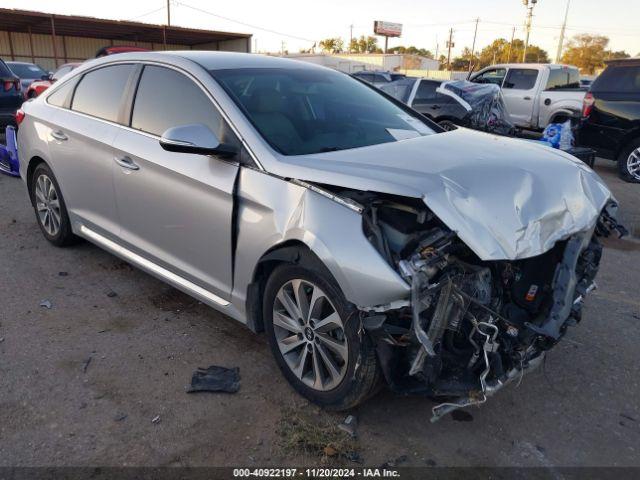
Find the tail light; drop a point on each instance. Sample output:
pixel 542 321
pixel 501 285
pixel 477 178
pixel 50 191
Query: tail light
pixel 19 116
pixel 9 84
pixel 587 104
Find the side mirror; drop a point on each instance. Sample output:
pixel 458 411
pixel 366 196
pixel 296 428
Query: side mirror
pixel 195 138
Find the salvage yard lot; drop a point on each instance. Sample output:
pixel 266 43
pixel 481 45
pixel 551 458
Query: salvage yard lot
pixel 81 382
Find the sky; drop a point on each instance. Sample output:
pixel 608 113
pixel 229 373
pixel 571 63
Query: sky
pixel 296 24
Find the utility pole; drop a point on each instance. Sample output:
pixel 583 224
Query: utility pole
pixel 529 4
pixel 513 34
pixel 473 47
pixel 449 47
pixel 561 40
pixel 168 13
pixel 282 47
pixel 350 36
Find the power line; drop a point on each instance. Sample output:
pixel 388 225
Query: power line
pixel 282 34
pixel 148 13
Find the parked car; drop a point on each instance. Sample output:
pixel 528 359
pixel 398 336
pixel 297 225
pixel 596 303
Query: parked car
pixel 10 96
pixel 453 103
pixel 536 94
pixel 28 73
pixel 585 82
pixel 39 86
pixel 422 95
pixel 377 78
pixel 362 238
pixel 611 116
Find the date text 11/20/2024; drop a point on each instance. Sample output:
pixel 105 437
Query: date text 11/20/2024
pixel 315 473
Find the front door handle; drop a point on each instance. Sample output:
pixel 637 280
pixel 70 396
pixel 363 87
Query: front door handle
pixel 59 135
pixel 125 162
pixel 527 98
pixel 435 107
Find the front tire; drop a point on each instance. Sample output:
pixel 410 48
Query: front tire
pixel 49 206
pixel 629 162
pixel 314 336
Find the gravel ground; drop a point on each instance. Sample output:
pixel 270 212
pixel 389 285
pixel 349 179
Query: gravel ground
pixel 82 382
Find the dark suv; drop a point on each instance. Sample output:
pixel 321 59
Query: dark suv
pixel 10 96
pixel 611 116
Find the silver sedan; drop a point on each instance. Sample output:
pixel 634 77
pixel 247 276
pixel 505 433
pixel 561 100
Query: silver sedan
pixel 369 244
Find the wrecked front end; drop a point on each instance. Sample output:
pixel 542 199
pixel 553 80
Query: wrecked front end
pixel 470 326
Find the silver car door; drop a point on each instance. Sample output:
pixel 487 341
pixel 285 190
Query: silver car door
pixel 175 209
pixel 81 145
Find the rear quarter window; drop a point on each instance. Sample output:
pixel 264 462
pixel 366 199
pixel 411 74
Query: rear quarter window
pixel 618 78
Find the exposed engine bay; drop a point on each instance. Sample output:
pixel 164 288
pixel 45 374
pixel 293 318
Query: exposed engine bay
pixel 471 326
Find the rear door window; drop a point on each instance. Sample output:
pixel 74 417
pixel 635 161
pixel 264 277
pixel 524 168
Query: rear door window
pixel 426 92
pixel 618 78
pixel 521 79
pixel 100 92
pixel 563 78
pixel 166 98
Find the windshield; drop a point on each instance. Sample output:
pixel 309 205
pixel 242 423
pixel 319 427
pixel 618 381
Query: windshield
pixel 303 111
pixel 26 70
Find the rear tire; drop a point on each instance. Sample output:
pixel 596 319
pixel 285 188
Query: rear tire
pixel 50 209
pixel 629 162
pixel 307 362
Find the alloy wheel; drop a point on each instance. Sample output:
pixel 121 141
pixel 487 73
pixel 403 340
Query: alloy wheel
pixel 48 205
pixel 310 335
pixel 633 164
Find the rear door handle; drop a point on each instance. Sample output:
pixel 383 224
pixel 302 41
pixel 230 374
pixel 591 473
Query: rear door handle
pixel 527 98
pixel 125 162
pixel 59 135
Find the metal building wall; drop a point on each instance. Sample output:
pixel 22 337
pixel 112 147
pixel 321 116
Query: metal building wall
pixel 38 48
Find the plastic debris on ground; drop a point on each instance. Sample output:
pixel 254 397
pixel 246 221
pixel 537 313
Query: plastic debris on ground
pixel 9 154
pixel 215 379
pixel 349 425
pixel 558 135
pixel 45 304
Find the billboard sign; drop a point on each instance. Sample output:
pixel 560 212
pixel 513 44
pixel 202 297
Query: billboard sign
pixel 387 29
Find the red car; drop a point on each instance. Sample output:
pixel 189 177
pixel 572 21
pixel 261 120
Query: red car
pixel 39 86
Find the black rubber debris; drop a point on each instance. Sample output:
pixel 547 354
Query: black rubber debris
pixel 215 379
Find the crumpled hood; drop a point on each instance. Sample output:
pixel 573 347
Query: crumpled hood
pixel 506 198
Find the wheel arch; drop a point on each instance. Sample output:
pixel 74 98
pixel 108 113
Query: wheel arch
pixel 33 164
pixel 294 252
pixel 630 137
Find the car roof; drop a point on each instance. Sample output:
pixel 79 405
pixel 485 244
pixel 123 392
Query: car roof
pixel 623 61
pixel 13 62
pixel 209 60
pixel 530 65
pixel 232 60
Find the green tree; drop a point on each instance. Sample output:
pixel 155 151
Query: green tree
pixel 502 51
pixel 611 55
pixel 331 45
pixel 364 45
pixel 587 52
pixel 462 62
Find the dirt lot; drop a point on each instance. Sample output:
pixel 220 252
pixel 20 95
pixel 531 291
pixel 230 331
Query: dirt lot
pixel 81 382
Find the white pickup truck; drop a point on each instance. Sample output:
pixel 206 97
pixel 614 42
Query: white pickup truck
pixel 536 94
